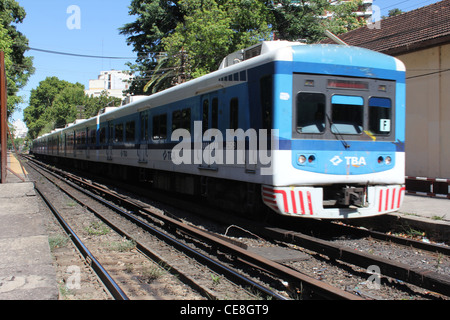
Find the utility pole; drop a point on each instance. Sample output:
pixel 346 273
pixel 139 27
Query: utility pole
pixel 3 118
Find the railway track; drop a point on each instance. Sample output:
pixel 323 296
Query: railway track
pixel 219 245
pixel 426 279
pixel 168 260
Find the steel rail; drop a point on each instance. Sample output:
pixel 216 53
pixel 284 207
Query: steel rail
pixel 214 265
pixel 354 230
pixel 423 278
pixel 109 282
pixel 318 287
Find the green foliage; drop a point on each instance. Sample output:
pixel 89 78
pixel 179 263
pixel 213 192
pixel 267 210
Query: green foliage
pixel 64 107
pixel 18 67
pixel 55 103
pixel 178 40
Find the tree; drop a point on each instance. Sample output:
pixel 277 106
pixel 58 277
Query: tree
pixel 41 99
pixel 55 103
pixel 155 20
pixel 208 30
pixel 18 67
pixel 92 105
pixel 64 107
pixel 394 12
pixel 344 18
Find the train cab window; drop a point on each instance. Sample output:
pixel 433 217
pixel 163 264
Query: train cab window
pixel 234 114
pixel 380 116
pixel 310 112
pixel 118 132
pixel 347 114
pixel 130 131
pixel 160 127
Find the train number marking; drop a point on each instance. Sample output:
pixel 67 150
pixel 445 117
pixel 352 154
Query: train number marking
pixel 167 155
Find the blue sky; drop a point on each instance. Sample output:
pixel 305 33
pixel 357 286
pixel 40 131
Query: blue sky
pixel 405 5
pixel 46 28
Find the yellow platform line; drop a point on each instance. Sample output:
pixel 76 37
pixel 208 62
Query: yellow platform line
pixel 14 164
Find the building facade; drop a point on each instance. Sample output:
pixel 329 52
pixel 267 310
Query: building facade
pixel 114 82
pixel 365 11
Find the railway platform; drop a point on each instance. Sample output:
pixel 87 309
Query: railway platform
pixel 26 269
pixel 431 215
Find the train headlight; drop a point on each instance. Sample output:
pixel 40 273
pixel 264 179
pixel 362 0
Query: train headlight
pixel 388 160
pixel 302 159
pixel 380 159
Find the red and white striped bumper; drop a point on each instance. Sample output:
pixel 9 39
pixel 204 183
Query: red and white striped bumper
pixel 308 202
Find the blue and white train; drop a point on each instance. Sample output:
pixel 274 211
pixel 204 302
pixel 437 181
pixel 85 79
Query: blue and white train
pixel 329 122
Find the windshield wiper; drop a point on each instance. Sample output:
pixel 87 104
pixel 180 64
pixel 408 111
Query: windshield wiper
pixel 338 135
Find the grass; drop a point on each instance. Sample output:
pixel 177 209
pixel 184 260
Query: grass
pixel 122 246
pixel 57 241
pixel 152 273
pixel 97 229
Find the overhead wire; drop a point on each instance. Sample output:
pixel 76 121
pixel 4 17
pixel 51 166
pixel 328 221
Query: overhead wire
pixel 79 55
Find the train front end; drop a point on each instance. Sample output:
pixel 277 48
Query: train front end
pixel 340 116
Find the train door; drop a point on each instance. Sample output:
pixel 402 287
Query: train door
pixel 144 136
pixel 210 120
pixel 109 149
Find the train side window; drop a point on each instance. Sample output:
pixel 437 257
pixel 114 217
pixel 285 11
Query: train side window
pixel 93 136
pixel 380 115
pixel 234 113
pixel 186 119
pixel 163 126
pixel 130 131
pixel 160 127
pixel 118 132
pixel 156 128
pixel 205 117
pixel 215 113
pixel 181 119
pixel 110 132
pixel 102 135
pixel 310 112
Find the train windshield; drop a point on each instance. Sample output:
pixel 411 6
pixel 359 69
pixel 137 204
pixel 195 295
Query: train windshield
pixel 380 115
pixel 347 114
pixel 310 112
pixel 326 107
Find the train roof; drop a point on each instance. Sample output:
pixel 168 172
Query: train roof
pixel 263 52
